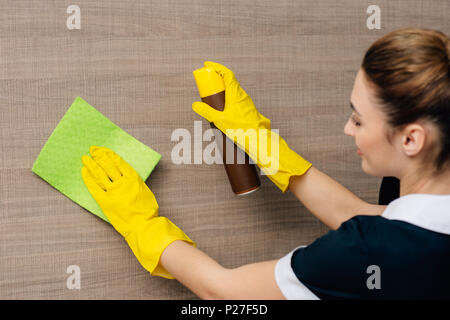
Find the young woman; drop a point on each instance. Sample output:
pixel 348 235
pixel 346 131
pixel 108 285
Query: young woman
pixel 401 126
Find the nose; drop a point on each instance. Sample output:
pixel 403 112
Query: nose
pixel 348 128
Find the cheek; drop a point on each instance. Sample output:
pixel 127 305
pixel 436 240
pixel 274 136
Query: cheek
pixel 362 141
pixel 373 148
pixel 369 143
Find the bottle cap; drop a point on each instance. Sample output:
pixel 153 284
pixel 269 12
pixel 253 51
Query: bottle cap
pixel 208 81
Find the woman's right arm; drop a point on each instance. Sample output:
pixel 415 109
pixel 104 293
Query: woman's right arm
pixel 329 200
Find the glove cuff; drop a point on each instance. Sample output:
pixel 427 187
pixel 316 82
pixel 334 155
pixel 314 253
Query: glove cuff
pixel 270 151
pixel 151 239
pixel 272 154
pixel 291 164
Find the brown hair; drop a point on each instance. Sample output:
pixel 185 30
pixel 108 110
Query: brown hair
pixel 409 70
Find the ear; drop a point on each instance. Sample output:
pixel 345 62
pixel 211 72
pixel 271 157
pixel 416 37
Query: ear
pixel 414 138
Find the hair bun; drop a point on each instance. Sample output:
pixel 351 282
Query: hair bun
pixel 447 48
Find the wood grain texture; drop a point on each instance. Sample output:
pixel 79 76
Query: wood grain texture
pixel 133 61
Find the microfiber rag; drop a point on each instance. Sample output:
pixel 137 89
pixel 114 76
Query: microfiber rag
pixel 59 162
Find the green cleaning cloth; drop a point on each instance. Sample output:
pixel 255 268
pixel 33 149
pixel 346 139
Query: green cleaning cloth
pixel 59 162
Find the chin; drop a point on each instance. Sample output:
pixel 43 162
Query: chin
pixel 366 168
pixel 370 171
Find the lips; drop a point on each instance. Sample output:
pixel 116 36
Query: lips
pixel 359 152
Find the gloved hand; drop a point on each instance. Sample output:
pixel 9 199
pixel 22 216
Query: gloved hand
pixel 131 207
pixel 240 113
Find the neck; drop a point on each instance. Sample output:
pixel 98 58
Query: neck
pixel 416 182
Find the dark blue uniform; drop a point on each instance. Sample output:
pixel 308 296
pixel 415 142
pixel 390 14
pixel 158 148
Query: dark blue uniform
pixel 402 254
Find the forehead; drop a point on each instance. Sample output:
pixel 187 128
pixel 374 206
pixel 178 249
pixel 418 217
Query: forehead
pixel 359 91
pixel 363 96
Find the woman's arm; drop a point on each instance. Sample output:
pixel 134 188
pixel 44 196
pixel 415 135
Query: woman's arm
pixel 329 200
pixel 209 280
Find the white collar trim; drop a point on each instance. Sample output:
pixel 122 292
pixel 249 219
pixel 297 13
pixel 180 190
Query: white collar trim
pixel 428 211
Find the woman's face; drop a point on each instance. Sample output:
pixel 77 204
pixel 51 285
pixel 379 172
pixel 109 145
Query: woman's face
pixel 367 125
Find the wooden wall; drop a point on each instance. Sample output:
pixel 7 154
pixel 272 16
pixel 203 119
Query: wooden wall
pixel 133 61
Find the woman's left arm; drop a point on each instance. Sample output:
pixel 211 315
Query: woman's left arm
pixel 209 280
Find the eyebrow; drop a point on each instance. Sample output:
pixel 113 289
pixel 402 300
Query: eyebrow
pixel 353 108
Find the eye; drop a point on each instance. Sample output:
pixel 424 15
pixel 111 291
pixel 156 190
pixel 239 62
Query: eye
pixel 355 121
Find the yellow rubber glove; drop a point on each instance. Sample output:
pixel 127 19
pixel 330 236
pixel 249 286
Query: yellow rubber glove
pixel 279 164
pixel 131 207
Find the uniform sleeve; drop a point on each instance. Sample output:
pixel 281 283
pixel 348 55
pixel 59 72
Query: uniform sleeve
pixel 332 267
pixel 287 281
